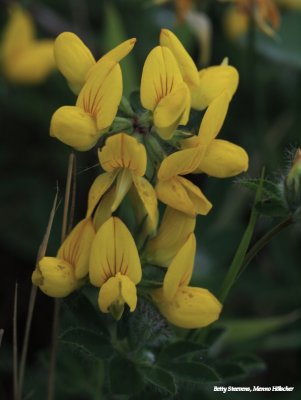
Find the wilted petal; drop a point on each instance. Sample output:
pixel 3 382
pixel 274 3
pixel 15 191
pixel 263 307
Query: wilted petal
pixel 76 247
pixel 55 277
pixel 223 159
pixel 173 232
pixel 191 308
pixel 123 151
pixel 114 250
pixel 74 127
pixel 73 59
pixel 180 270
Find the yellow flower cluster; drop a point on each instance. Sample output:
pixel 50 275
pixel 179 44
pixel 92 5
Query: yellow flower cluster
pixel 101 248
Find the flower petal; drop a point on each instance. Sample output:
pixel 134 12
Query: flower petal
pixel 201 204
pixel 74 127
pixel 173 232
pixel 172 110
pixel 223 159
pixel 213 82
pixel 180 270
pixel 160 76
pixel 100 185
pixel 191 308
pixel 76 247
pixel 55 277
pixel 73 59
pixel 185 62
pixel 123 185
pixel 213 119
pixel 118 290
pixel 103 211
pixel 101 94
pixel 180 163
pixel 123 151
pixel 114 250
pixel 172 193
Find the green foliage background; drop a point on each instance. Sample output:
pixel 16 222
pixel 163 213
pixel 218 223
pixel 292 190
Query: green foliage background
pixel 264 117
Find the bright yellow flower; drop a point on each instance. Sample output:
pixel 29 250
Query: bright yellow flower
pixel 164 92
pixel 173 233
pixel 204 85
pixel 61 275
pixel 115 267
pixel 218 158
pixel 76 62
pixel 124 160
pixel 183 305
pixel 177 192
pixel 81 126
pixel 24 58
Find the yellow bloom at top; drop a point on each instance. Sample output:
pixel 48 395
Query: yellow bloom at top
pixel 204 85
pixel 115 267
pixel 61 275
pixel 164 92
pixel 24 58
pixel 76 62
pixel 81 126
pixel 217 157
pixel 183 305
pixel 124 160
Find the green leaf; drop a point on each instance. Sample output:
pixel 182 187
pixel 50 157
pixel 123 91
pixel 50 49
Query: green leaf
pixel 162 380
pixel 152 276
pixel 243 330
pixel 192 372
pixel 272 207
pixel 124 377
pixel 269 188
pixel 180 350
pixel 249 362
pixel 92 344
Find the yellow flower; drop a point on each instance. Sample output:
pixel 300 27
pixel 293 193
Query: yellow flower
pixel 173 233
pixel 164 92
pixel 183 305
pixel 24 58
pixel 124 160
pixel 176 191
pixel 76 62
pixel 204 85
pixel 61 275
pixel 81 126
pixel 115 267
pixel 218 158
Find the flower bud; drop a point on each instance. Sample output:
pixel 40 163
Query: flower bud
pixel 292 184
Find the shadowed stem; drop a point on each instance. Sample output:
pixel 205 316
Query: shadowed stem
pixel 70 189
pixel 15 343
pixel 32 299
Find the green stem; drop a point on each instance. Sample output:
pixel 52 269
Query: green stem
pixel 264 240
pixel 240 254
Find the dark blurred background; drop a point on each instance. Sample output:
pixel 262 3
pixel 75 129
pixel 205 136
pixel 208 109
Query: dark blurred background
pixel 264 118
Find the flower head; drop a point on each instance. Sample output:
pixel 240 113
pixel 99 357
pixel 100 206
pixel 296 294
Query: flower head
pixel 183 305
pixel 115 267
pixel 61 275
pixel 124 160
pixel 25 59
pixel 164 92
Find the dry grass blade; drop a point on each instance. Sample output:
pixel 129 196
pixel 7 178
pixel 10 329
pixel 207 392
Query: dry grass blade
pixel 32 299
pixel 15 343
